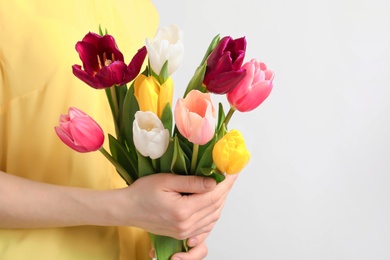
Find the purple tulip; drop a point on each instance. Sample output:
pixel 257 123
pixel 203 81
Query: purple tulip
pixel 103 63
pixel 223 71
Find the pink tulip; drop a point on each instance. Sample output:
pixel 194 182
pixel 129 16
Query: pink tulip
pixel 79 131
pixel 254 88
pixel 195 117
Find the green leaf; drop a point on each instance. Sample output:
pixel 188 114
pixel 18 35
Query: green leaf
pixel 166 158
pixel 206 160
pixel 121 92
pixel 145 166
pixel 163 73
pixel 211 47
pixel 221 127
pixel 122 171
pixel 179 160
pixel 167 118
pixel 221 115
pixel 130 107
pixel 196 81
pixel 213 173
pixel 112 101
pixel 122 156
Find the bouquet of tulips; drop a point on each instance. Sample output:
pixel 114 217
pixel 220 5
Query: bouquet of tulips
pixel 151 137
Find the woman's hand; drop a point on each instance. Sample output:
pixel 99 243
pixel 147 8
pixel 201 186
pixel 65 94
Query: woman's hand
pixel 197 243
pixel 156 203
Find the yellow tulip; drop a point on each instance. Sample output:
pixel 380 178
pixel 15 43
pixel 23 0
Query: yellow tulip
pixel 152 96
pixel 230 153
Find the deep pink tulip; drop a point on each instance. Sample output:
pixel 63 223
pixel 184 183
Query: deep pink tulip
pixel 195 117
pixel 254 88
pixel 103 63
pixel 79 131
pixel 223 71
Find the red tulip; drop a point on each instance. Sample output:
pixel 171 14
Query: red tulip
pixel 79 131
pixel 223 71
pixel 103 63
pixel 254 88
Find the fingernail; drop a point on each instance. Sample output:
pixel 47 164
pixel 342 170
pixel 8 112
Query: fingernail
pixel 176 258
pixel 191 242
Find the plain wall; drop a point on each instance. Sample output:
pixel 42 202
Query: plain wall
pixel 317 187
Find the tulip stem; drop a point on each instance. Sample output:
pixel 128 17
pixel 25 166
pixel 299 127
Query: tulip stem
pixel 194 159
pixel 229 116
pixel 113 101
pixel 122 171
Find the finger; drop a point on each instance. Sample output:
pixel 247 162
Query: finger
pixel 205 219
pixel 196 253
pixel 152 253
pixel 196 240
pixel 205 203
pixel 191 184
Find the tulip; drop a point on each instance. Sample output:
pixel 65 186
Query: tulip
pixel 103 63
pixel 79 131
pixel 195 117
pixel 253 89
pixel 230 153
pixel 223 70
pixel 166 46
pixel 151 95
pixel 149 135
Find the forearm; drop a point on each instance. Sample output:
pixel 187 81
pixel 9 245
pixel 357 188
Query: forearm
pixel 29 204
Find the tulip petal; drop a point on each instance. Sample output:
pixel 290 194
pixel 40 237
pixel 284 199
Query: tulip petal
pixel 259 92
pixel 107 45
pixel 226 58
pixel 87 78
pixel 166 46
pixel 88 55
pixel 230 153
pixel 195 117
pixel 226 82
pixel 79 131
pixel 149 135
pixel 112 74
pixel 134 66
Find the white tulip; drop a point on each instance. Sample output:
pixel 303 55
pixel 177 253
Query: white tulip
pixel 149 135
pixel 167 45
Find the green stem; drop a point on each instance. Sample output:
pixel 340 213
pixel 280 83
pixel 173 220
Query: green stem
pixel 115 108
pixel 194 159
pixel 228 116
pixel 122 171
pixel 113 101
pixel 165 247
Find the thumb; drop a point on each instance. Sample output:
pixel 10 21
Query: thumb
pixel 191 184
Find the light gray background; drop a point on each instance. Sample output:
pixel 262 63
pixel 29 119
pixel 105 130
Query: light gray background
pixel 317 186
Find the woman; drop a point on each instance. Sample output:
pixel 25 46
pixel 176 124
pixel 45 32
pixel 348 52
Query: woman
pixel 59 204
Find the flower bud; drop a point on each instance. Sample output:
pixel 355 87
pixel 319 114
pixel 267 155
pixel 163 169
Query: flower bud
pixel 149 135
pixel 195 117
pixel 253 89
pixel 166 46
pixel 230 153
pixel 79 131
pixel 151 96
pixel 223 71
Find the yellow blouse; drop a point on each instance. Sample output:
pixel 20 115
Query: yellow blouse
pixel 37 50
